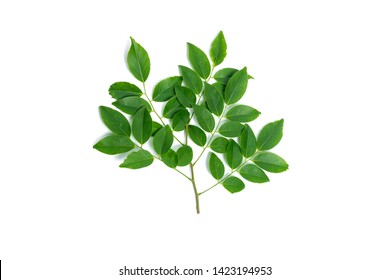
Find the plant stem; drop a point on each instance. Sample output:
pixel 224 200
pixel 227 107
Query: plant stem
pixel 212 135
pixel 193 176
pixel 157 114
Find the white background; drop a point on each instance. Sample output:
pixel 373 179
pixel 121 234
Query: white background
pixel 69 212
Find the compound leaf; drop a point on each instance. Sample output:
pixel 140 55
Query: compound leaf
pixel 115 121
pixel 233 184
pixel 138 61
pixel 219 145
pixel 138 159
pixel 142 125
pixel 114 144
pixel 270 135
pixel 199 61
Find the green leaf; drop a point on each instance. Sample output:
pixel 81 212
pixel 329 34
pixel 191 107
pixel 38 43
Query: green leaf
pixel 170 158
pixel 253 174
pixel 138 61
pixel 204 118
pixel 138 159
pixel 163 140
pixel 164 89
pixel 270 162
pixel 233 184
pixel 191 79
pixel 120 90
pixel 242 113
pixel 220 87
pixel 216 167
pixel 155 127
pixel 236 87
pixel 233 154
pixel 270 135
pixel 184 155
pixel 214 99
pixel 199 61
pixel 219 145
pixel 114 144
pixel 247 142
pixel 171 108
pixel 197 135
pixel 142 125
pixel 231 129
pixel 130 105
pixel 223 76
pixel 218 49
pixel 115 121
pixel 180 119
pixel 185 96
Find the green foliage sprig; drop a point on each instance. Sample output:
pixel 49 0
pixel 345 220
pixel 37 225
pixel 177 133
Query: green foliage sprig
pixel 195 109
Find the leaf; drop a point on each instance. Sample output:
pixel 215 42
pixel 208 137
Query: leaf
pixel 155 127
pixel 271 162
pixel 120 90
pixel 142 125
pixel 171 108
pixel 199 61
pixel 197 135
pixel 216 167
pixel 236 87
pixel 180 119
pixel 204 118
pixel 164 89
pixel 233 184
pixel 130 105
pixel 114 144
pixel 214 99
pixel 138 61
pixel 184 155
pixel 191 79
pixel 233 154
pixel 218 49
pixel 223 76
pixel 170 158
pixel 220 87
pixel 138 159
pixel 242 113
pixel 185 96
pixel 253 174
pixel 247 142
pixel 115 121
pixel 231 129
pixel 219 145
pixel 163 140
pixel 270 135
